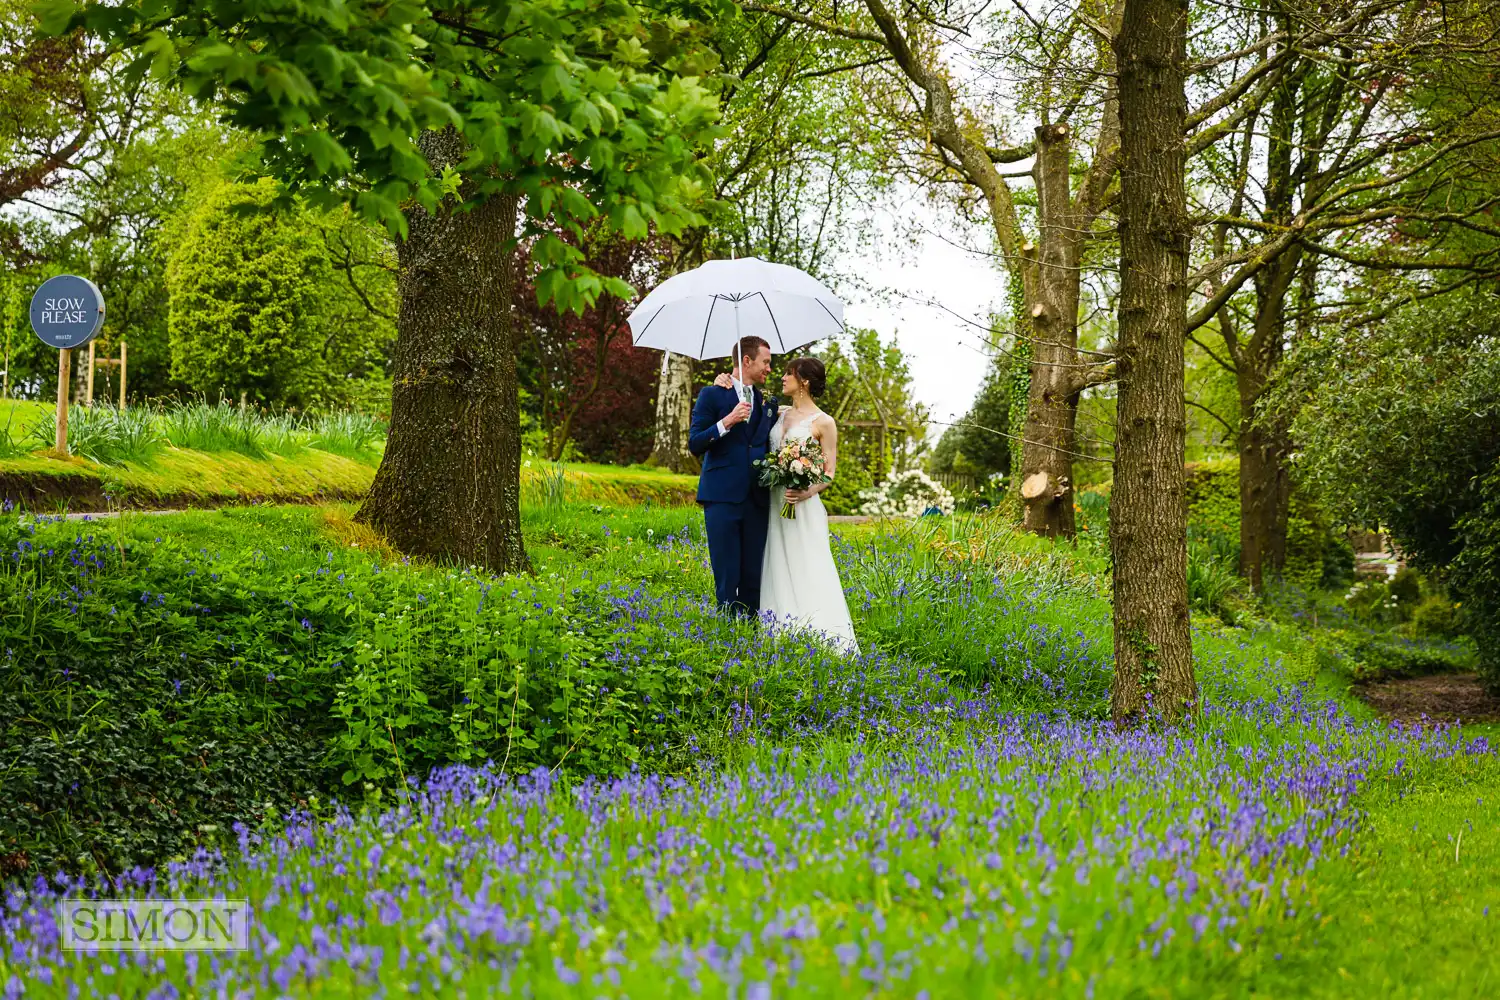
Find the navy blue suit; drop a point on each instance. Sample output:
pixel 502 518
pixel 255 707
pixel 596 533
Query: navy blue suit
pixel 734 506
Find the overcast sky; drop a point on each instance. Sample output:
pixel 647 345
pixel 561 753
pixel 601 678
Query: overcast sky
pixel 932 264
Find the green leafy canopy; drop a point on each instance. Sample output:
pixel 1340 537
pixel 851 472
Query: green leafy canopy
pixel 591 111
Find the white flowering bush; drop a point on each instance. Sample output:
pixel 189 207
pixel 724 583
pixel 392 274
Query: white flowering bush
pixel 906 494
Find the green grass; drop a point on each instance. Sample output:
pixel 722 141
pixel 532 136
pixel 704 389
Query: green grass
pixel 201 454
pixel 969 757
pixel 1413 911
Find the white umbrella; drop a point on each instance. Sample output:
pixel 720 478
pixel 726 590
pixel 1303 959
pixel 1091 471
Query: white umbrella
pixel 705 312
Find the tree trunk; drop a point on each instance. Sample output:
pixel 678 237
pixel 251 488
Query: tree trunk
pixel 449 488
pixel 1052 310
pixel 674 411
pixel 1148 514
pixel 1265 448
pixel 1264 445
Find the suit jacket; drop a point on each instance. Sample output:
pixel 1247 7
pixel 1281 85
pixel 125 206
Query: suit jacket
pixel 728 476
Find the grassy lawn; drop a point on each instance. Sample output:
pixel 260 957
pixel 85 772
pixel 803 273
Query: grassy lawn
pixel 619 792
pixel 1413 910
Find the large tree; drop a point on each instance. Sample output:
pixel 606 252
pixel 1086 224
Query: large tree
pixel 52 105
pixel 1341 154
pixel 462 126
pixel 1046 191
pixel 1148 509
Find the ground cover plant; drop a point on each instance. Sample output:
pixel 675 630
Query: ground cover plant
pixel 654 800
pixel 1025 857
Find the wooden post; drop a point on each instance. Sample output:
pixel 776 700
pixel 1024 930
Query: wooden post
pixel 64 372
pixel 89 382
pixel 122 374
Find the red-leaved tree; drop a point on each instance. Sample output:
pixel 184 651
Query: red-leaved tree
pixel 587 384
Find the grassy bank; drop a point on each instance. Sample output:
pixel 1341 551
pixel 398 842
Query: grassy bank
pixel 198 455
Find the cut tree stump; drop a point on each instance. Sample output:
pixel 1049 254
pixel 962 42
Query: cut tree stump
pixel 1034 486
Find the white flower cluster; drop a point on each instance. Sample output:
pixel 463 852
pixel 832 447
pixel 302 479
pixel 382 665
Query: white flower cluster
pixel 906 494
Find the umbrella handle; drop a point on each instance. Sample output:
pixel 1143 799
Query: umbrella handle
pixel 739 354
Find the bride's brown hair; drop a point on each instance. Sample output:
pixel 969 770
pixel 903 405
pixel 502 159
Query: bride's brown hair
pixel 811 371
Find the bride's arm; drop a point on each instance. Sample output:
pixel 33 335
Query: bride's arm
pixel 826 430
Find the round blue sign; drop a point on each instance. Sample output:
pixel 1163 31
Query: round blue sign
pixel 67 311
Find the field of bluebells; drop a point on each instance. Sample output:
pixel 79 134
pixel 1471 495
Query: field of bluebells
pixel 584 783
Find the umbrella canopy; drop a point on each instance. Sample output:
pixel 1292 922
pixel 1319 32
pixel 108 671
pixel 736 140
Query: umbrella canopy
pixel 703 312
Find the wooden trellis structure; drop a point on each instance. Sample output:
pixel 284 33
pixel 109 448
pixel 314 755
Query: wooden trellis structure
pixel 873 440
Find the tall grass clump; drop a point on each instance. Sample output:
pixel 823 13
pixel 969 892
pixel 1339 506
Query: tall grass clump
pixel 546 489
pixel 221 426
pixel 346 432
pixel 283 433
pixel 112 436
pixel 1212 582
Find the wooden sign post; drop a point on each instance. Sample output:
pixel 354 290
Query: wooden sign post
pixel 106 363
pixel 66 312
pixel 64 376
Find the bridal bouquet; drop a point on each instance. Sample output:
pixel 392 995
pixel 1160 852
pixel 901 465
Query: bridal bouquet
pixel 798 465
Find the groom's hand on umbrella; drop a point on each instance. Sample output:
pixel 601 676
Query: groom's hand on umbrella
pixel 740 412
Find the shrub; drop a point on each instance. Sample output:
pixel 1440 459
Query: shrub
pixel 258 307
pixel 843 495
pixel 1475 574
pixel 1371 602
pixel 1436 617
pixel 1380 655
pixel 906 494
pixel 1406 588
pixel 1338 562
pixel 1315 555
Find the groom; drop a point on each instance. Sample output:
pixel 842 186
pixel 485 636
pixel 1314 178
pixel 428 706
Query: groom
pixel 728 435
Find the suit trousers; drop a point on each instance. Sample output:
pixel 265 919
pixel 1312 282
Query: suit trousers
pixel 736 546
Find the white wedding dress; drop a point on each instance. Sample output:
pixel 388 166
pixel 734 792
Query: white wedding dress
pixel 799 581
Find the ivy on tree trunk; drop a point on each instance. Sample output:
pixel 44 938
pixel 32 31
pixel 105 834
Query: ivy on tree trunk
pixel 448 488
pixel 1148 514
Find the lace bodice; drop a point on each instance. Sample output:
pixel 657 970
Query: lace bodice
pixel 780 433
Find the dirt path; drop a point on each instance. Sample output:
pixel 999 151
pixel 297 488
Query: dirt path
pixel 1441 698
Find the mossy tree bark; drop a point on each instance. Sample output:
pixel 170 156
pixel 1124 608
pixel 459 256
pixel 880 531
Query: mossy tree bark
pixel 448 488
pixel 1148 514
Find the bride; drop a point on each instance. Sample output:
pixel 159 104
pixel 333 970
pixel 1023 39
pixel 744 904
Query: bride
pixel 799 581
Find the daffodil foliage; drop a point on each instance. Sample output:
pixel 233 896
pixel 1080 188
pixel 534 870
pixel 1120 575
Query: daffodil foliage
pixel 591 110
